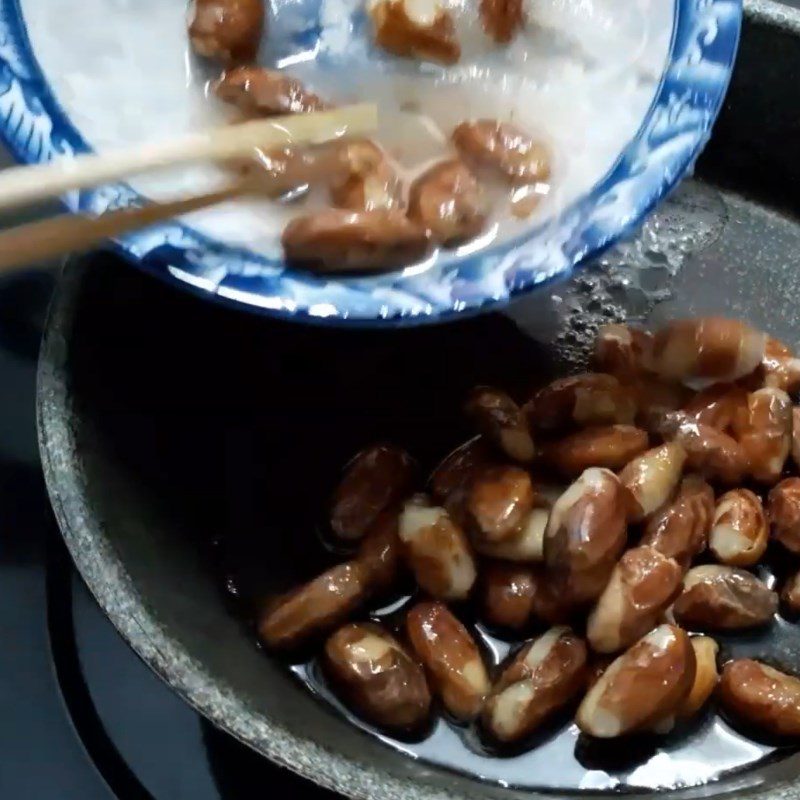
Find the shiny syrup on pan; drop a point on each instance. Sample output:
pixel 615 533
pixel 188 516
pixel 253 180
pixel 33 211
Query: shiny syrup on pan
pixel 271 546
pixel 559 758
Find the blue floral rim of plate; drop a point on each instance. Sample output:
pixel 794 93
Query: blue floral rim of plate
pixel 674 131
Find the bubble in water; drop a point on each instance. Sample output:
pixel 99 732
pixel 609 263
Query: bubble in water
pixel 626 282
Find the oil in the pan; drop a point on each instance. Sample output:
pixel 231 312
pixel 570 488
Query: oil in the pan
pixel 560 758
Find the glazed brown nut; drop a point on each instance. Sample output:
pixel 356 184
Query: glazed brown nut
pixel 378 477
pixel 608 446
pixel 502 148
pixel 706 350
pixel 592 398
pixel 525 546
pixel 654 397
pixel 363 178
pixel 457 469
pixel 260 92
pixel 451 659
pixel 763 428
pixel 620 350
pixel 761 696
pixel 680 529
pixel 796 436
pixel 380 552
pixel 712 453
pixel 507 594
pixel 717 406
pixel 586 533
pixel 377 678
pixel 279 170
pixel 501 19
pixel 739 533
pixel 411 29
pixel 642 585
pixel 644 687
pixel 546 675
pixel 499 502
pixel 448 201
pixel 779 367
pixel 706 676
pixel 597 667
pixel 783 511
pixel 501 420
pixel 652 477
pixel 337 240
pixel 315 607
pixel 226 30
pixel 718 598
pixel 790 594
pixel 436 550
pixel 514 594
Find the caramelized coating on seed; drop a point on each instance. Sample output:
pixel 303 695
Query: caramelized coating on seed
pixel 652 477
pixel 790 594
pixel 501 420
pixel 718 406
pixel 719 598
pixel 706 676
pixel 546 675
pixel 380 552
pixel 437 550
pixel 313 608
pixel 422 30
pixel 763 429
pixel 706 350
pixel 739 533
pixel 592 398
pixel 503 148
pixel 338 240
pixel 448 201
pixel 499 502
pixel 261 92
pixel 621 350
pixel 586 533
pixel 228 31
pixel 377 678
pixel 363 179
pixel 680 528
pixel 451 658
pixel 609 446
pixel 644 686
pixel 783 511
pixel 377 478
pixel 712 453
pixel 779 367
pixel 761 696
pixel 507 596
pixel 642 585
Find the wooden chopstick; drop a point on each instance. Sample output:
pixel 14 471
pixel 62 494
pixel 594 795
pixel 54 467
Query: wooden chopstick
pixel 67 233
pixel 29 184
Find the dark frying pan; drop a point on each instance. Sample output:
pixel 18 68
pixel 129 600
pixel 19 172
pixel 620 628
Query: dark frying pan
pixel 188 450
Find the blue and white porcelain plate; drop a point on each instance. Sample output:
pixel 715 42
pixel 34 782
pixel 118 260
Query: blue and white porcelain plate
pixel 624 94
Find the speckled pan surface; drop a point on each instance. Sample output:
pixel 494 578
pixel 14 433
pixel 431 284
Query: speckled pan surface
pixel 55 101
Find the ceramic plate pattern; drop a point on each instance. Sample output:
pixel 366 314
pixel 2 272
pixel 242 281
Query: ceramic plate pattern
pixel 677 125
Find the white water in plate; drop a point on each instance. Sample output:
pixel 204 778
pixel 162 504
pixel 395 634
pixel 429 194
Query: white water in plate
pixel 581 78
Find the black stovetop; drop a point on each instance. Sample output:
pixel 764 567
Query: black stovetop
pixel 80 715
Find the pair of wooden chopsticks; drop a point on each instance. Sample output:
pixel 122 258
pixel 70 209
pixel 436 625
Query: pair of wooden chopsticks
pixel 66 233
